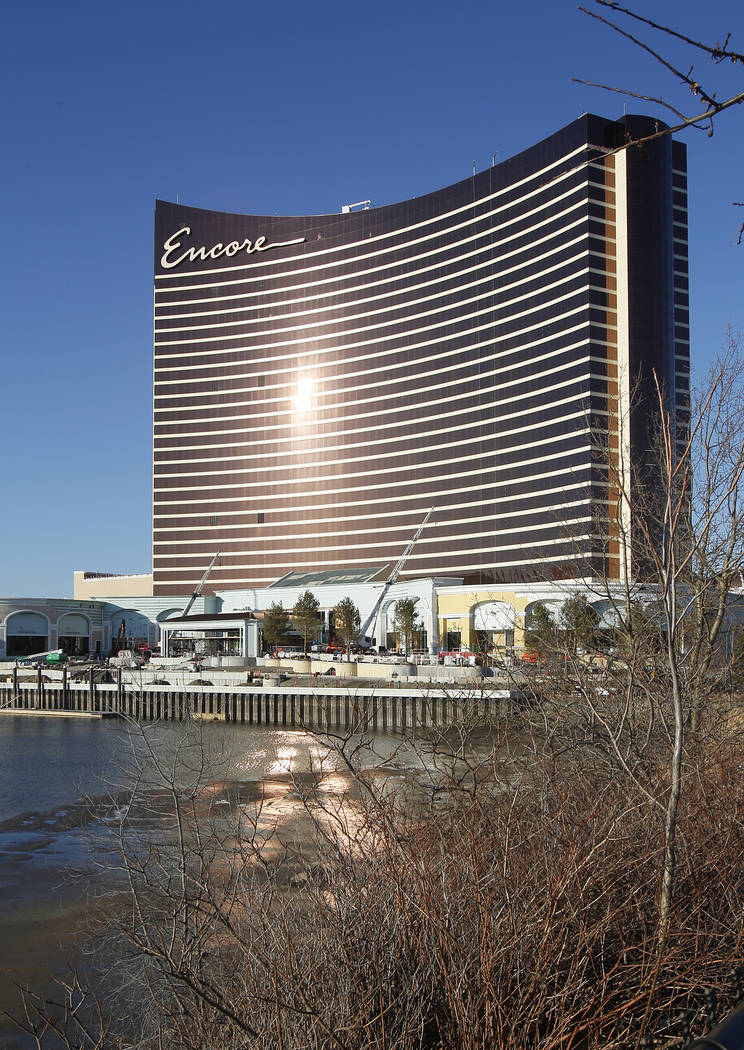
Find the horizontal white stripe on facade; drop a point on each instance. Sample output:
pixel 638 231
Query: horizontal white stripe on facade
pixel 166 329
pixel 439 217
pixel 427 496
pixel 366 516
pixel 571 381
pixel 349 548
pixel 388 424
pixel 254 348
pixel 383 502
pixel 415 555
pixel 322 451
pixel 366 430
pixel 402 323
pixel 411 505
pixel 399 531
pixel 383 472
pixel 365 443
pixel 571 400
pixel 395 277
pixel 271 348
pixel 435 545
pixel 448 288
pixel 489 382
pixel 325 459
pixel 292 370
pixel 392 278
pixel 260 418
pixel 490 325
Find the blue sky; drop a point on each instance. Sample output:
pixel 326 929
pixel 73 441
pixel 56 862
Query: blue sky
pixel 266 108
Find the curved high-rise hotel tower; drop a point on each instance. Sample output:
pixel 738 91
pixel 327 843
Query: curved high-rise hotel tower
pixel 322 381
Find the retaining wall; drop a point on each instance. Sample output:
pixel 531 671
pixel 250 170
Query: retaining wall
pixel 330 706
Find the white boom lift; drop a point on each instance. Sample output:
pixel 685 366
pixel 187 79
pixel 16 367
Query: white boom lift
pixel 371 620
pixel 40 656
pixel 201 583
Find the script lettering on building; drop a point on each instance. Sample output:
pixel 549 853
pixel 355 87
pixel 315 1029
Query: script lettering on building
pixel 171 246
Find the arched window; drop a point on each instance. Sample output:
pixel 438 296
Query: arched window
pixel 73 634
pixel 26 633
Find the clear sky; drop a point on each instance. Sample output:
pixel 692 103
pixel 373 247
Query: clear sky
pixel 286 108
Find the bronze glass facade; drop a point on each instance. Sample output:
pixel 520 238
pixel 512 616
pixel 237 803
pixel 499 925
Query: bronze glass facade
pixel 322 381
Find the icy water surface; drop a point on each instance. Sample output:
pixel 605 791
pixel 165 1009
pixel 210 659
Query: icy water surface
pixel 62 794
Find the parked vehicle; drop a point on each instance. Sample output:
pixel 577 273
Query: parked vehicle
pixel 460 656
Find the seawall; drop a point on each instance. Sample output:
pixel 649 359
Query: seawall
pixel 330 705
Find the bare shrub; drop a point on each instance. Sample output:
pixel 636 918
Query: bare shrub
pixel 501 893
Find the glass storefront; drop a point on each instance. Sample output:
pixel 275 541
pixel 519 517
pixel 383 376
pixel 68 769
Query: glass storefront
pixel 19 646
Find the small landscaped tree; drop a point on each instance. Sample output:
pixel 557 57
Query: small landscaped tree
pixel 306 618
pixel 580 622
pixel 275 625
pixel 540 636
pixel 406 621
pixel 347 622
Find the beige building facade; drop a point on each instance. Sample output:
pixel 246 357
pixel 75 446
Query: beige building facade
pixel 104 586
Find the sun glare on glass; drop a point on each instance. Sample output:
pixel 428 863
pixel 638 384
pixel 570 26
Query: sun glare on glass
pixel 304 397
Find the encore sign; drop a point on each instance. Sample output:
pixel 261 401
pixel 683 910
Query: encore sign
pixel 172 245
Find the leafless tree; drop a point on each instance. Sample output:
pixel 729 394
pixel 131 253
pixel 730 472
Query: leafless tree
pixel 703 89
pixel 497 890
pixel 651 687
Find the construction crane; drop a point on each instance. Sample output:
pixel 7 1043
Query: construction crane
pixel 372 618
pixel 201 583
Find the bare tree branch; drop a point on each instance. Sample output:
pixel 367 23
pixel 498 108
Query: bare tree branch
pixel 718 53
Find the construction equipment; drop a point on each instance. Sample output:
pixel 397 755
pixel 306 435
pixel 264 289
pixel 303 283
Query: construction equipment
pixel 51 656
pixel 363 639
pixel 201 583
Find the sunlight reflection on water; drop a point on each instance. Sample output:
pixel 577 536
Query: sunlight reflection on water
pixel 285 760
pixel 48 767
